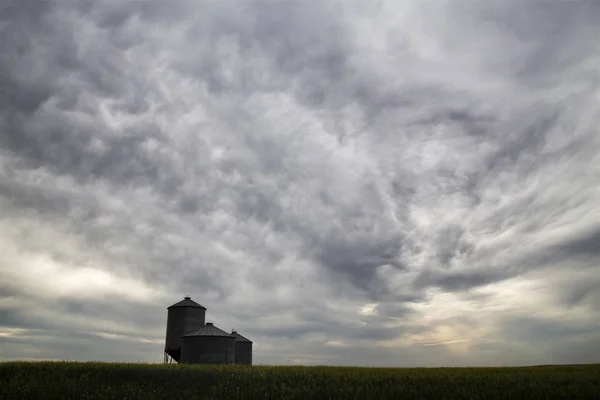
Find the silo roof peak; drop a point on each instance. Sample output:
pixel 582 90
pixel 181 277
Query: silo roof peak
pixel 187 302
pixel 208 330
pixel 240 338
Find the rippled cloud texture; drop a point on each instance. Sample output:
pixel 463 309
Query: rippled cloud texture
pixel 393 182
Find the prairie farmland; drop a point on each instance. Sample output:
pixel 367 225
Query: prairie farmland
pixel 99 381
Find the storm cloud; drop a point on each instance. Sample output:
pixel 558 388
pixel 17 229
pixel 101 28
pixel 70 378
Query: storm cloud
pixel 396 183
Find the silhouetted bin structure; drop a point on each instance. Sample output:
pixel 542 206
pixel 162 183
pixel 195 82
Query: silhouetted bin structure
pixel 190 340
pixel 182 317
pixel 208 345
pixel 243 349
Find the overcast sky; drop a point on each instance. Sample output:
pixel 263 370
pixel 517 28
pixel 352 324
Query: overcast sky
pixel 346 182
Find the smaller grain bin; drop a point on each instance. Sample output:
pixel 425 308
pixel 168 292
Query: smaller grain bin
pixel 243 349
pixel 208 345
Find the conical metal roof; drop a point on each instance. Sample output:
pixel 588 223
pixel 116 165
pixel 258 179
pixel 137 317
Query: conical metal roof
pixel 186 302
pixel 240 338
pixel 208 330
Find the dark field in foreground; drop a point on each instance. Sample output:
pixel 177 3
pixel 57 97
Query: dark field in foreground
pixel 67 380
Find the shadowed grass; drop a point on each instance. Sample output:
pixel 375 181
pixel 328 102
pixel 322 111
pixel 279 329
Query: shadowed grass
pixel 72 380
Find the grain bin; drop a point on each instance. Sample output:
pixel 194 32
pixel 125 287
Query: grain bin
pixel 208 345
pixel 183 317
pixel 243 349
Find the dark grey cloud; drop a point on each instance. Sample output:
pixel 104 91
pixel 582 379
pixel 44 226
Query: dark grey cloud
pixel 522 329
pixel 586 244
pixel 389 183
pixel 462 281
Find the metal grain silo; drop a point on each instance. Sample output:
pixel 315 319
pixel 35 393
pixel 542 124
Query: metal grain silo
pixel 243 349
pixel 208 345
pixel 183 317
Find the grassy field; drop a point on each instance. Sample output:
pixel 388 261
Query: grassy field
pixel 67 380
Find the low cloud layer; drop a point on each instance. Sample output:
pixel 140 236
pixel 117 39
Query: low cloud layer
pixel 395 183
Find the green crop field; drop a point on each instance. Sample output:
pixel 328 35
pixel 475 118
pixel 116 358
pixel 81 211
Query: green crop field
pixel 70 380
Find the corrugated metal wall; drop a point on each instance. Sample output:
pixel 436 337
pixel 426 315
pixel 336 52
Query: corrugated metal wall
pixel 208 350
pixel 181 320
pixel 243 353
